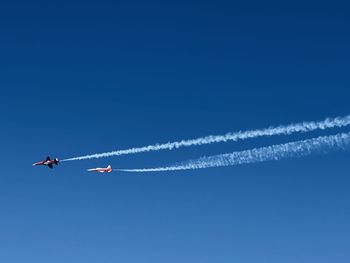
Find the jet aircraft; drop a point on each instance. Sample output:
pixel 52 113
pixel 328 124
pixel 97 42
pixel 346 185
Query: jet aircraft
pixel 48 162
pixel 108 169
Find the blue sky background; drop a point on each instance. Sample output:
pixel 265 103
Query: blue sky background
pixel 85 77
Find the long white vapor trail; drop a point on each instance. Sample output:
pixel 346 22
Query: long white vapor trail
pixel 235 136
pixel 322 144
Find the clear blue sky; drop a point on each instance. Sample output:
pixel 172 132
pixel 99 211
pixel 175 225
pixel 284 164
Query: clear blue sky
pixel 93 76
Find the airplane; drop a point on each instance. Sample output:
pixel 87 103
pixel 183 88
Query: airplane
pixel 108 169
pixel 48 162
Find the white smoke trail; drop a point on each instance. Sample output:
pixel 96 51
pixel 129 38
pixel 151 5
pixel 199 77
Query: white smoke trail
pixel 275 152
pixel 235 136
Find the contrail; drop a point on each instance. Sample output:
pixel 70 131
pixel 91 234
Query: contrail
pixel 322 144
pixel 235 136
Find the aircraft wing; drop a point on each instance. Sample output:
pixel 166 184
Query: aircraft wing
pixel 50 165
